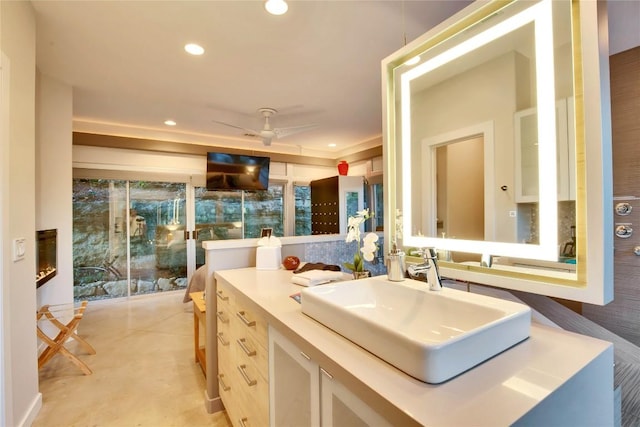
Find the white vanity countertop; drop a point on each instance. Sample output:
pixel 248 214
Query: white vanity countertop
pixel 498 392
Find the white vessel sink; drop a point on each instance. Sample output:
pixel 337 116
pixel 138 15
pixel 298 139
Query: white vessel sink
pixel 431 335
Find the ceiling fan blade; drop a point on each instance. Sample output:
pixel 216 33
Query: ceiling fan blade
pixel 251 131
pixel 282 132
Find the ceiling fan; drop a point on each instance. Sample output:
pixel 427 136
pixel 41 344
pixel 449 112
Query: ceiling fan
pixel 268 133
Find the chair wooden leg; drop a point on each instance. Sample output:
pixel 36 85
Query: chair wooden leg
pixel 67 331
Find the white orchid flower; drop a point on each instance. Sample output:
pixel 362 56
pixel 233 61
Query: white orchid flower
pixel 371 238
pixel 355 221
pixel 369 246
pixel 353 234
pixel 368 251
pixel 368 256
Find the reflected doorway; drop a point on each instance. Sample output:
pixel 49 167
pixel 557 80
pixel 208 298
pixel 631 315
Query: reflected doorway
pixel 460 189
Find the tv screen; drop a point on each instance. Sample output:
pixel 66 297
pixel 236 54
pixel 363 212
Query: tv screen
pixel 237 172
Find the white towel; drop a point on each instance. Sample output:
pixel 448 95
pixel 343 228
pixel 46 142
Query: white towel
pixel 315 277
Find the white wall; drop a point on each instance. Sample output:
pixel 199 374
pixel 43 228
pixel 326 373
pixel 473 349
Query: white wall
pixel 20 388
pixel 54 114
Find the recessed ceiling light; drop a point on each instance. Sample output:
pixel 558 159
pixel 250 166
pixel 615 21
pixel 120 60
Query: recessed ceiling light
pixel 194 49
pixel 170 123
pixel 276 7
pixel 333 145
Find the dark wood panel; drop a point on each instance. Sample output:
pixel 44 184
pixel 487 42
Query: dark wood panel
pixel 325 206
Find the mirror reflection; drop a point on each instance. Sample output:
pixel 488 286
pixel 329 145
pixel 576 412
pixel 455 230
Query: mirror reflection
pixel 485 121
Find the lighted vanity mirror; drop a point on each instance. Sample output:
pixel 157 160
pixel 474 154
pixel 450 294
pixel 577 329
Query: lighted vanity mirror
pixel 487 134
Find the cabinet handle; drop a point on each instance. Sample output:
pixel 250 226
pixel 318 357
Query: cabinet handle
pixel 242 342
pixel 326 373
pixel 221 295
pixel 248 380
pixel 220 316
pixel 221 339
pixel 222 384
pixel 245 320
pixel 303 354
pixel 243 421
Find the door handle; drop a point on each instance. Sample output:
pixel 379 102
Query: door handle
pixel 190 234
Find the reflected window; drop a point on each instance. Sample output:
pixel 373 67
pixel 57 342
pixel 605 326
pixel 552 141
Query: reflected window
pixel 302 195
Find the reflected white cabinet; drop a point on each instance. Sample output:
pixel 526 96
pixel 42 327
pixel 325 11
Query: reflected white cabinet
pixel 526 133
pixel 302 393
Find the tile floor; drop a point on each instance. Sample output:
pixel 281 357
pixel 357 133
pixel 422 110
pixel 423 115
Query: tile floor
pixel 144 372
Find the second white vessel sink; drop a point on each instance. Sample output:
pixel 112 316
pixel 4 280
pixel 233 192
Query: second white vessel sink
pixel 431 335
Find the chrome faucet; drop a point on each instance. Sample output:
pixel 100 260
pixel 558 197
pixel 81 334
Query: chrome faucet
pixel 428 270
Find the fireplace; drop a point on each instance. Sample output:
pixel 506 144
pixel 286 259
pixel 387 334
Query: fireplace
pixel 46 255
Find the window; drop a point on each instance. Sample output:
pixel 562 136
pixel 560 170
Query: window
pixel 302 195
pixel 264 209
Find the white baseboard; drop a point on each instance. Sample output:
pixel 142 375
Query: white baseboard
pixel 33 411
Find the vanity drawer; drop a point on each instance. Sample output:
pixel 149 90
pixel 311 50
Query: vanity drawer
pixel 252 400
pixel 249 352
pixel 224 296
pixel 223 320
pixel 250 324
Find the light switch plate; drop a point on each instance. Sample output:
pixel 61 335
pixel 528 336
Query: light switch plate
pixel 19 248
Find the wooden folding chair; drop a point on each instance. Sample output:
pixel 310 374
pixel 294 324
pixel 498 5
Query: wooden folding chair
pixel 56 345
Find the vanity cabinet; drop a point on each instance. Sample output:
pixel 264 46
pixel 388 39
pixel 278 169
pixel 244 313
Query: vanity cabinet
pixel 526 133
pixel 304 393
pixel 242 359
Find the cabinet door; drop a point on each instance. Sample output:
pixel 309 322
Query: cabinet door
pixel 340 407
pixel 526 131
pixel 293 384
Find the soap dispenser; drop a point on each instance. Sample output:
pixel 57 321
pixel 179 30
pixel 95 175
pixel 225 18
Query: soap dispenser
pixel 395 264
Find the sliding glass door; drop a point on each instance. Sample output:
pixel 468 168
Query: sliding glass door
pixel 140 237
pixel 128 238
pixel 157 241
pixel 99 239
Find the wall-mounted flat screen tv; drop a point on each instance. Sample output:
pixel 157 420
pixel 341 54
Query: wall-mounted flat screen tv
pixel 237 172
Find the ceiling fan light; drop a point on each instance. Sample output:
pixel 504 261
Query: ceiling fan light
pixel 276 7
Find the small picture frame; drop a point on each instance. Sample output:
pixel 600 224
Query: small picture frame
pixel 266 232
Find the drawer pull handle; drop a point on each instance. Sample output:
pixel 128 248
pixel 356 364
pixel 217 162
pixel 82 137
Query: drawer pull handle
pixel 326 373
pixel 222 384
pixel 245 320
pixel 220 316
pixel 243 422
pixel 248 380
pixel 242 342
pixel 222 296
pixel 303 354
pixel 222 340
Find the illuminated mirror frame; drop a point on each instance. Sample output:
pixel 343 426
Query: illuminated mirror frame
pixel 540 15
pixel 593 281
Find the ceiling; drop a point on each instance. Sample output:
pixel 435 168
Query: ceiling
pixel 318 64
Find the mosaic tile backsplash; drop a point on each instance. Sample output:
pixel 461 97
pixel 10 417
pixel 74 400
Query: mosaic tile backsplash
pixel 339 252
